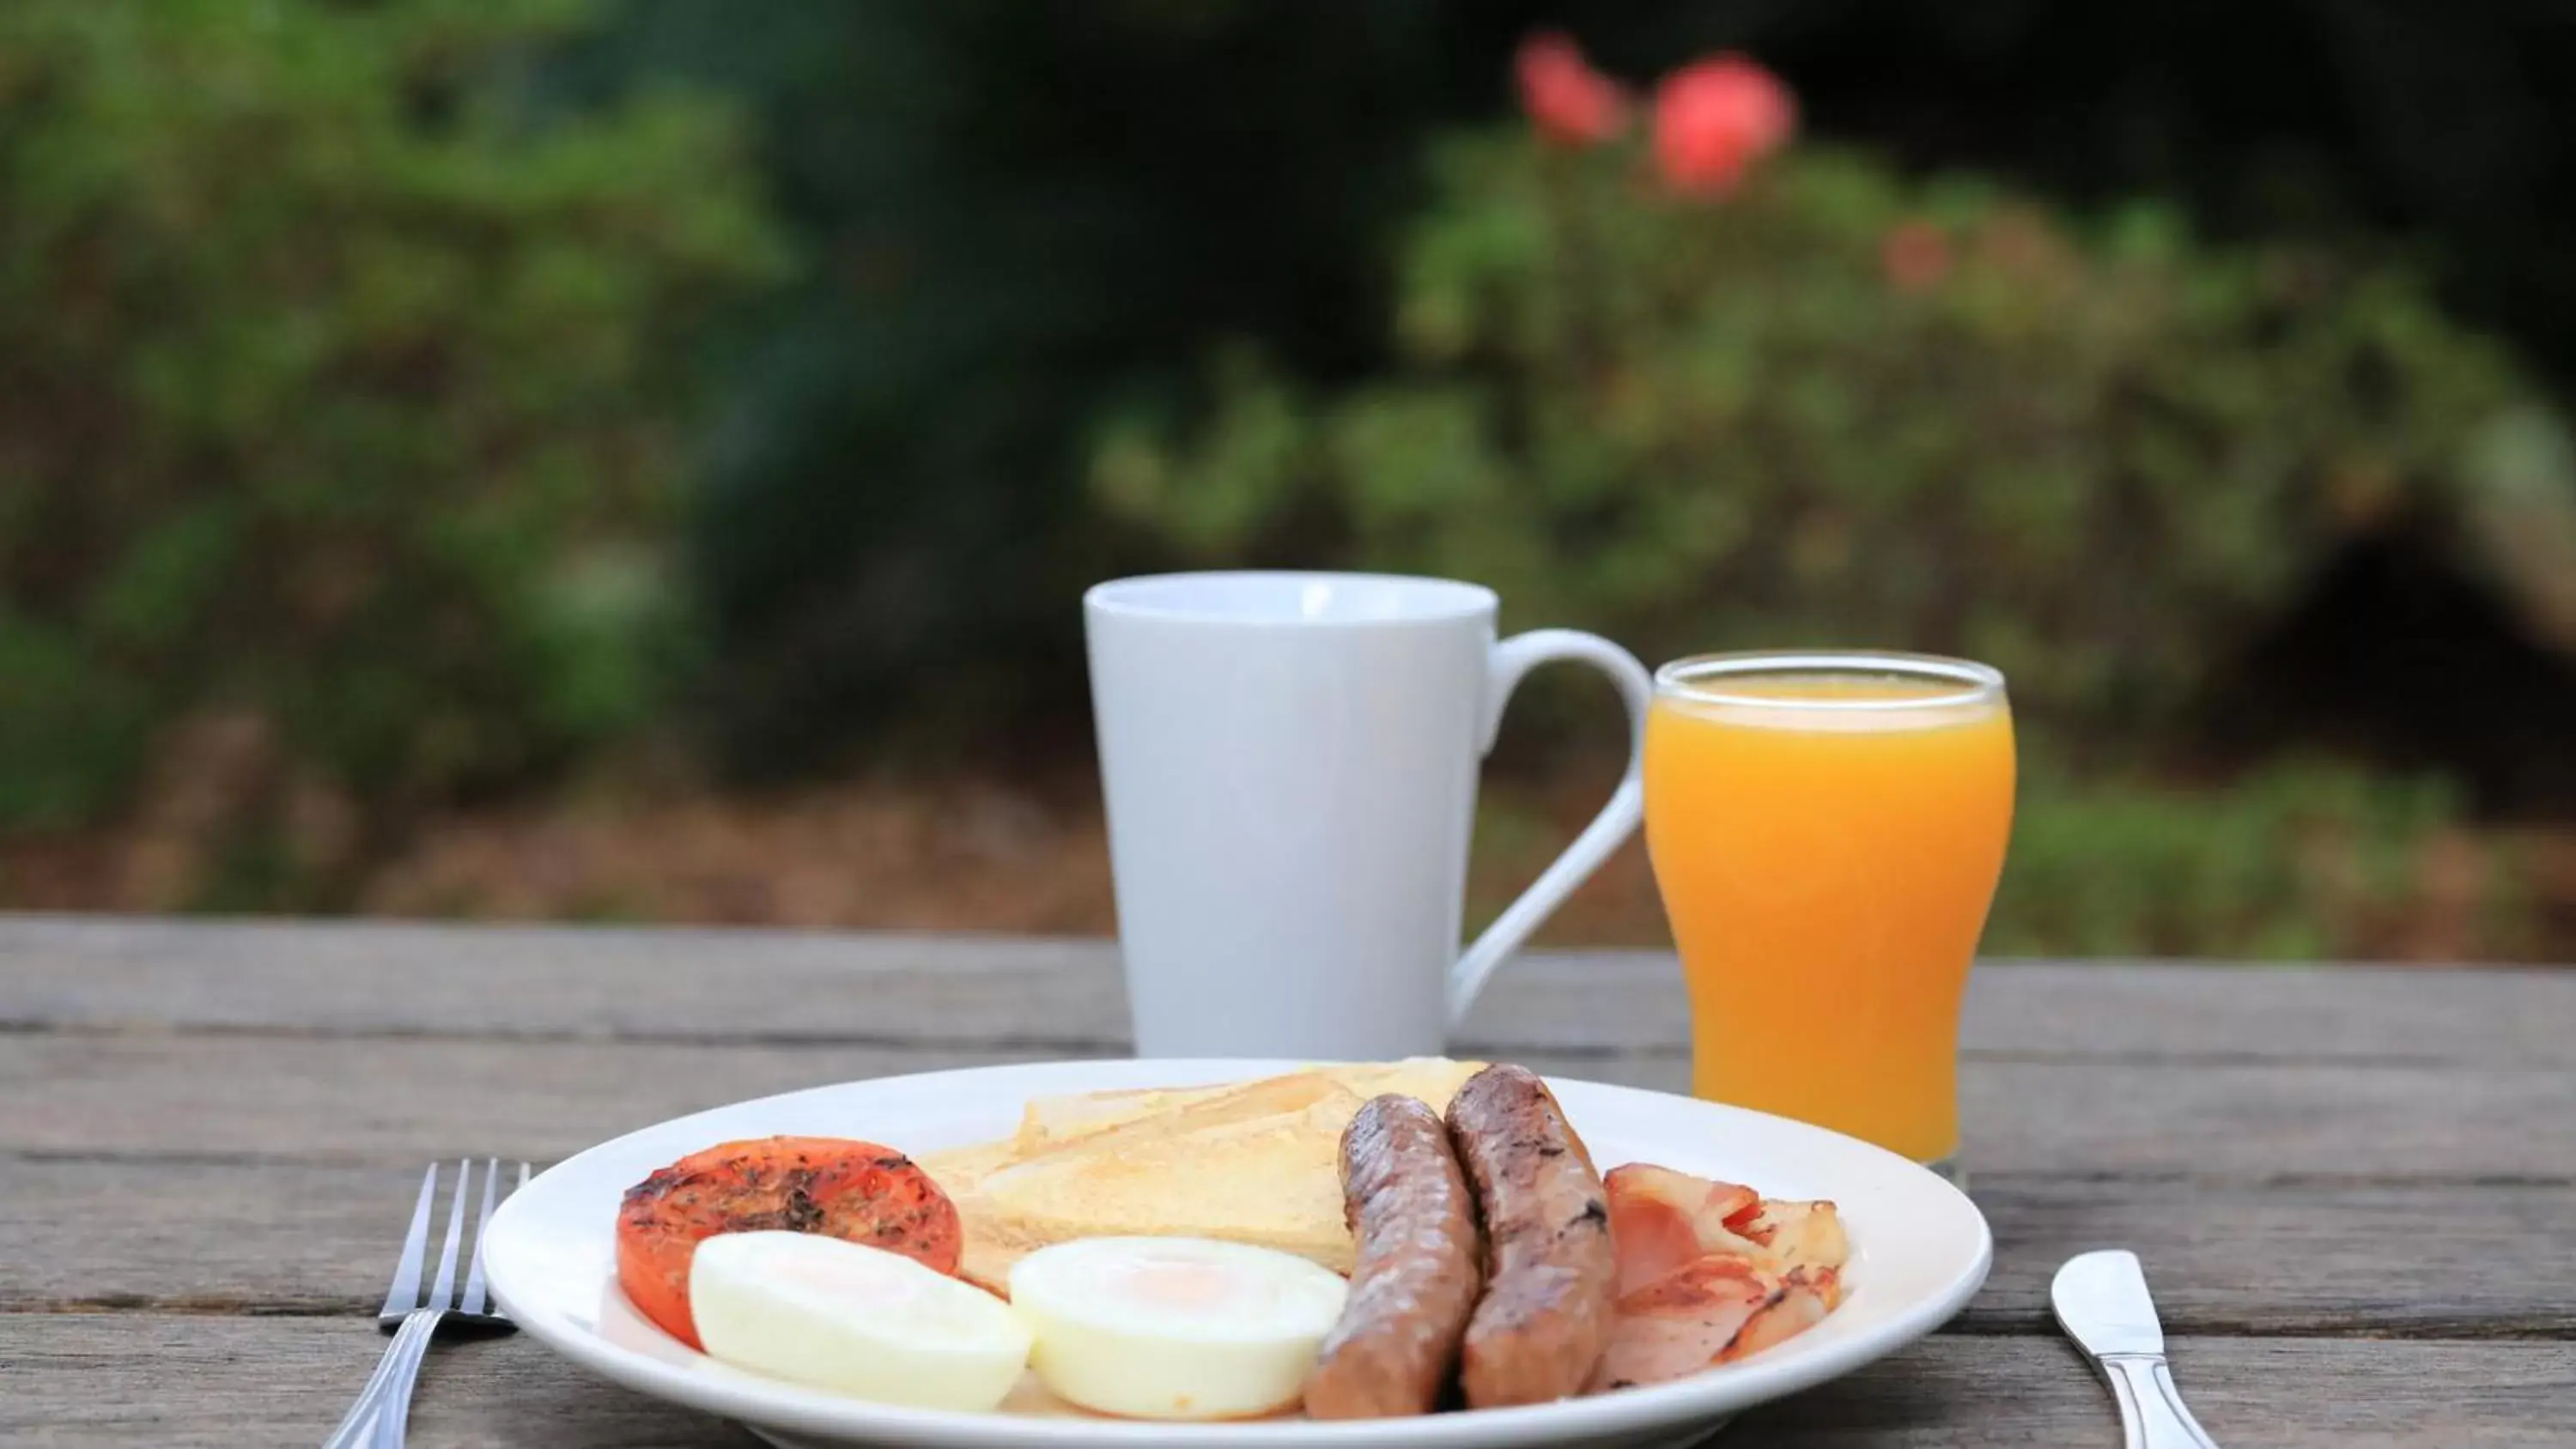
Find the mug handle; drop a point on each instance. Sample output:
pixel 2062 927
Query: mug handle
pixel 1513 658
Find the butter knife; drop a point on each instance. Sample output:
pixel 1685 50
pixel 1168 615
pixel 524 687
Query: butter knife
pixel 2102 1303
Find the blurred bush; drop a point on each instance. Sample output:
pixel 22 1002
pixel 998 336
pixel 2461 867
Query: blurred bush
pixel 1024 210
pixel 2299 859
pixel 344 394
pixel 1016 211
pixel 1842 408
pixel 2449 127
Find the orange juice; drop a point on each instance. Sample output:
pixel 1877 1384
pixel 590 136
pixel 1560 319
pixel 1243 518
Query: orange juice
pixel 1827 841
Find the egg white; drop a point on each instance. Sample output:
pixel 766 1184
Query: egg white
pixel 854 1319
pixel 1174 1328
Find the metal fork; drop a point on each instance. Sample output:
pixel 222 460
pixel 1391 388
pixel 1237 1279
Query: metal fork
pixel 383 1408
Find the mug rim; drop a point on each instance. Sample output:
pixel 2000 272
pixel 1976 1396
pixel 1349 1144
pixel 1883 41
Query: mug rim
pixel 1130 598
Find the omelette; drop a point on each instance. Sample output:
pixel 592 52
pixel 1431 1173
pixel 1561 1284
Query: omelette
pixel 1254 1162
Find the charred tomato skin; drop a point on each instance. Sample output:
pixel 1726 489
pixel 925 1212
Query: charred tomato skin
pixel 857 1191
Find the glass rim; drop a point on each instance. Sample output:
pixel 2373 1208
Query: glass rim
pixel 1687 678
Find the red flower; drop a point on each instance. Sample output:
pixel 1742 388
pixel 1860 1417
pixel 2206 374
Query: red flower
pixel 1714 118
pixel 1914 255
pixel 1570 102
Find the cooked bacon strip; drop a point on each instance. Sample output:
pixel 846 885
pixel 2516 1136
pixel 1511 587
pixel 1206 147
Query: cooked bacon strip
pixel 1711 1273
pixel 1683 1322
pixel 1805 1298
pixel 1798 1234
pixel 1664 1220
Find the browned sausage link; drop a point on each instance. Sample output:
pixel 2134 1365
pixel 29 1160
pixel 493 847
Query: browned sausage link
pixel 1549 1268
pixel 1397 1342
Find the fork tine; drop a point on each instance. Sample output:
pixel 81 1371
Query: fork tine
pixel 482 1225
pixel 404 1296
pixel 443 1295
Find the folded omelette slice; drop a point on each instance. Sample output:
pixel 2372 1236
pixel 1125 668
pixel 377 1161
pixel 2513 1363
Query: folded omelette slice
pixel 1252 1162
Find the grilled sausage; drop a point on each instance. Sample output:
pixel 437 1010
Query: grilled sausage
pixel 1549 1269
pixel 1396 1346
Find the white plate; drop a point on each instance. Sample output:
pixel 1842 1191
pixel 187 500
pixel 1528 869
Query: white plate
pixel 1919 1252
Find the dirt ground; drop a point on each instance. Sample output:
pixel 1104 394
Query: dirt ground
pixel 954 852
pixel 962 853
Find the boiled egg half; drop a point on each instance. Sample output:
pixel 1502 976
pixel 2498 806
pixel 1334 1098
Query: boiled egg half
pixel 1174 1328
pixel 857 1320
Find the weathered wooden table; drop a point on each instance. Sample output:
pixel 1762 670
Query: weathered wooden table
pixel 2354 1189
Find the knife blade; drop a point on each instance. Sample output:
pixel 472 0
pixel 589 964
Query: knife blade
pixel 2101 1301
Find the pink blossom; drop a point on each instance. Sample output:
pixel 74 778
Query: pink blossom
pixel 1568 101
pixel 1714 118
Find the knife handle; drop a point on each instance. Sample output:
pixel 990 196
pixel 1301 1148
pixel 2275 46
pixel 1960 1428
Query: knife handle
pixel 2151 1411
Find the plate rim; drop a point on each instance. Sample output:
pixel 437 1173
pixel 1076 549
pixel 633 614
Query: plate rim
pixel 795 1409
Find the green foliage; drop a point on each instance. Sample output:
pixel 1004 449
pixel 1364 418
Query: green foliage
pixel 341 391
pixel 2298 861
pixel 1029 208
pixel 1840 409
pixel 1023 209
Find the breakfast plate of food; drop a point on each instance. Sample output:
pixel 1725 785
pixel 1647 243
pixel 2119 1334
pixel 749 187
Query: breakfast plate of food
pixel 1218 1252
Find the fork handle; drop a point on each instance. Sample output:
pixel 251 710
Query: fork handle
pixel 393 1404
pixel 353 1425
pixel 380 1415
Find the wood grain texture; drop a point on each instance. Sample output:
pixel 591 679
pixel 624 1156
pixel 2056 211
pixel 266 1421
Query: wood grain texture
pixel 149 1379
pixel 2354 1185
pixel 328 1097
pixel 308 1098
pixel 2282 1259
pixel 218 1383
pixel 772 986
pixel 2420 1262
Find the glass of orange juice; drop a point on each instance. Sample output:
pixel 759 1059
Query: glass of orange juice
pixel 1826 830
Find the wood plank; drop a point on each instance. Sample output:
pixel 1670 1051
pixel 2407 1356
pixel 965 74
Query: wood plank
pixel 367 978
pixel 2277 1393
pixel 309 1098
pixel 185 1381
pixel 328 1097
pixel 508 981
pixel 206 1236
pixel 2268 1122
pixel 193 1382
pixel 2285 1259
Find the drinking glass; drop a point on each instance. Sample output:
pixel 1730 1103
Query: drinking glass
pixel 1826 830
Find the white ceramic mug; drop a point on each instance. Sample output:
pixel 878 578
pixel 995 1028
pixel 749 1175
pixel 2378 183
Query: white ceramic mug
pixel 1290 762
